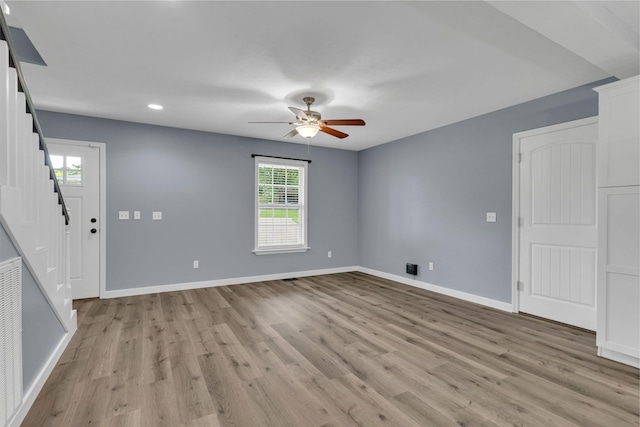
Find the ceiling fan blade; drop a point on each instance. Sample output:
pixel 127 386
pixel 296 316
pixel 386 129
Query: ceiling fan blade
pixel 344 122
pixel 300 114
pixel 291 134
pixel 290 123
pixel 333 132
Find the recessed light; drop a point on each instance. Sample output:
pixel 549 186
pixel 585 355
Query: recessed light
pixel 155 106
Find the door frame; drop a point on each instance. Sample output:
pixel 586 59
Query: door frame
pixel 515 197
pixel 102 209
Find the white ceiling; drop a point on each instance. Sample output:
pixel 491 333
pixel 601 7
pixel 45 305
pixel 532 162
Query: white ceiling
pixel 403 67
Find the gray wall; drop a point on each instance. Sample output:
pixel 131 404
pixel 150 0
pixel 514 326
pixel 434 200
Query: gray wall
pixel 420 199
pixel 204 185
pixel 41 329
pixel 425 198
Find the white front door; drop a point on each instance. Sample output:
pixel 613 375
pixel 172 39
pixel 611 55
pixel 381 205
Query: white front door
pixel 557 222
pixel 77 167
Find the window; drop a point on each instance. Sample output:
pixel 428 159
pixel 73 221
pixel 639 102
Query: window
pixel 281 215
pixel 68 169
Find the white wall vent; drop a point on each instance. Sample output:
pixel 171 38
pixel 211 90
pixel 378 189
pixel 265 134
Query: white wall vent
pixel 10 338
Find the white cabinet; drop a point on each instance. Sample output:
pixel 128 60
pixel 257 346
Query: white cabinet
pixel 618 329
pixel 618 302
pixel 619 134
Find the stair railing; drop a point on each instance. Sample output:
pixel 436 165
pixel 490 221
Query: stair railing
pixel 5 34
pixel 32 209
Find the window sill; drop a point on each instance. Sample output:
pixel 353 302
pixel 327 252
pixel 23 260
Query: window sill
pixel 279 251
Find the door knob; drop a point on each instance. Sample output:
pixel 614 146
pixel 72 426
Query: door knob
pixel 93 220
pixel 94 231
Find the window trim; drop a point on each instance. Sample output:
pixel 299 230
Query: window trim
pixel 303 208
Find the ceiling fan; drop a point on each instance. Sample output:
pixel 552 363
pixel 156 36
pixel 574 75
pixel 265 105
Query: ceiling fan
pixel 308 123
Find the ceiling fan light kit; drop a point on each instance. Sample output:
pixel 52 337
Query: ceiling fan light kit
pixel 308 123
pixel 308 131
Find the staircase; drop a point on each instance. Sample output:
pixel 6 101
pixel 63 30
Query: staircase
pixel 32 209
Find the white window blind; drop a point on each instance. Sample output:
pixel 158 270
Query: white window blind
pixel 281 215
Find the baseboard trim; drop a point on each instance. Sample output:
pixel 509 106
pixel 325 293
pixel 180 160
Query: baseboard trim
pixel 31 394
pixel 619 357
pixel 488 302
pixel 222 282
pixel 499 305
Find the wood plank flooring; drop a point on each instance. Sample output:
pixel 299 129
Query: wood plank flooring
pixel 337 350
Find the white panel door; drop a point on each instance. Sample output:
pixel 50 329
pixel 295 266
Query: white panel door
pixel 78 170
pixel 557 225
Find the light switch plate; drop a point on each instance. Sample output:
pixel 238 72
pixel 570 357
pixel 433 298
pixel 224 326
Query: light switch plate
pixel 123 215
pixel 491 217
pixel 136 214
pixel 157 216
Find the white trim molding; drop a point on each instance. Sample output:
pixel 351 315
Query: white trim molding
pixel 488 302
pixel 279 251
pixel 619 357
pixel 222 282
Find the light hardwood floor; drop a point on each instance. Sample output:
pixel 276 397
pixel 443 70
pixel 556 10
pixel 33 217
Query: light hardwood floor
pixel 338 350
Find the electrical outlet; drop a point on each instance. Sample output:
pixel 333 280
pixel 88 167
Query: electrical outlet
pixel 157 216
pixel 136 214
pixel 329 254
pixel 123 215
pixel 491 217
pixel 431 266
pixel 196 263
